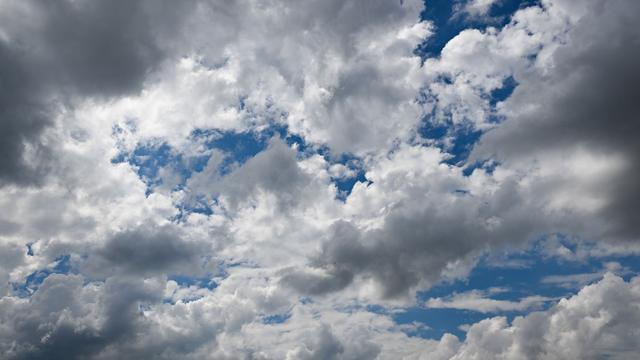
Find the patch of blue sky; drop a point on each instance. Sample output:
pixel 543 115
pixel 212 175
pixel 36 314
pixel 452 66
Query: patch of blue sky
pixel 276 318
pixel 30 249
pixel 458 141
pixel 442 13
pixel 353 163
pixel 437 321
pixel 152 157
pixel 206 282
pixel 199 205
pixel 517 274
pixel 345 184
pixel 61 265
pixel 501 94
pixel 487 165
pixel 305 300
pixel 238 146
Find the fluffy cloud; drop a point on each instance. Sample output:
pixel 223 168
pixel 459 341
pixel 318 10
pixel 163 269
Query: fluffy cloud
pixel 53 51
pixel 578 117
pixel 97 262
pixel 600 321
pixel 475 8
pixel 332 75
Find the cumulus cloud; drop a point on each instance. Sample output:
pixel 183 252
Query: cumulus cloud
pixel 600 321
pixel 147 250
pixel 579 116
pixel 273 255
pixel 52 51
pixel 274 170
pixel 66 319
pixel 425 222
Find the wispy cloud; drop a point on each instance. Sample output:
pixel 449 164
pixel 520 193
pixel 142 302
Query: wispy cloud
pixel 576 281
pixel 481 301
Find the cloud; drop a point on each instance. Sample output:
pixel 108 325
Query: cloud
pixel 600 321
pixel 274 170
pixel 153 276
pixel 475 8
pixel 60 50
pixel 333 76
pixel 149 249
pixel 424 222
pixel 580 115
pixel 66 319
pixel 480 301
pixel 576 281
pixel 22 120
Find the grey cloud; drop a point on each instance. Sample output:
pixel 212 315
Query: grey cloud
pixel 274 170
pixel 148 249
pixel 8 227
pixel 589 100
pixel 417 244
pixel 105 47
pixel 65 319
pixel 55 51
pixel 11 257
pixel 22 118
pixel 323 346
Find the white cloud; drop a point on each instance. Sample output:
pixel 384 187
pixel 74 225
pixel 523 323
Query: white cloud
pixel 600 321
pixel 477 300
pixel 476 8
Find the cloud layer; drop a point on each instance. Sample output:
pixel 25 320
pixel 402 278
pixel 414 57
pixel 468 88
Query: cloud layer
pixel 269 180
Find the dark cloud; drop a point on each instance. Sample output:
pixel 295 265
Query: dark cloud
pixel 148 249
pixel 588 100
pixel 66 319
pixel 416 246
pixel 22 117
pixel 99 47
pixel 55 51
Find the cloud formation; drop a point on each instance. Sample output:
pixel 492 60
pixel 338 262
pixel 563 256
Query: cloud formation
pixel 53 51
pixel 598 321
pixel 264 179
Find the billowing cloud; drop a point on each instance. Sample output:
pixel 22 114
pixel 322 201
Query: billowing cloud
pixel 53 51
pixel 579 117
pixel 264 179
pixel 597 322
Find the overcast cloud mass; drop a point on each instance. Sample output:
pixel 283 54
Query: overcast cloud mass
pixel 326 179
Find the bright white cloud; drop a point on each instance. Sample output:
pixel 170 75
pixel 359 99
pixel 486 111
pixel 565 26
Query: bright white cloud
pixel 599 321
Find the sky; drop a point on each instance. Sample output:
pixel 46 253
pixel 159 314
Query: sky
pixel 326 179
